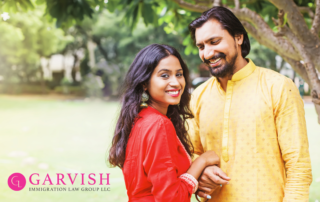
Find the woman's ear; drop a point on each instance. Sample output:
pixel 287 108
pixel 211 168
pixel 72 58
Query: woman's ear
pixel 144 86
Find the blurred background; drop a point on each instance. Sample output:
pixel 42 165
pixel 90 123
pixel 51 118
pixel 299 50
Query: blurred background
pixel 62 64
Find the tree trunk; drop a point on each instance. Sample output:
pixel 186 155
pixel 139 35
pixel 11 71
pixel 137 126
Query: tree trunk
pixel 92 60
pixel 42 80
pixel 317 107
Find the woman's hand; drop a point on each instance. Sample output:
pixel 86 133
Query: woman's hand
pixel 208 158
pixel 211 158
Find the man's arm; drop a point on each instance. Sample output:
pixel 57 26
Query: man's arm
pixel 193 129
pixel 212 176
pixel 293 140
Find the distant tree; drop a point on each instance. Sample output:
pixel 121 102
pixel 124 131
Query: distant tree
pixel 117 44
pixel 65 12
pixel 25 38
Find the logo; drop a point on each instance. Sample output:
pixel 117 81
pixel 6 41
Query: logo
pixel 16 181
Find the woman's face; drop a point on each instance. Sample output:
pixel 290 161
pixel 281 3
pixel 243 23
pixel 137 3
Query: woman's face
pixel 166 84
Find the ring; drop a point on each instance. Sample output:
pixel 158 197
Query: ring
pixel 220 185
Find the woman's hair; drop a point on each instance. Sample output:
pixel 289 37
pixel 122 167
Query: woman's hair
pixel 228 22
pixel 139 75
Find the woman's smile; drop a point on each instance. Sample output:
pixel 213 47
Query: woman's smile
pixel 173 92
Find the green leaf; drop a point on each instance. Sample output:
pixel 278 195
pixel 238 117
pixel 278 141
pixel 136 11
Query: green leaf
pixel 275 29
pixel 194 51
pixel 187 40
pixel 147 13
pixel 188 50
pixel 285 19
pixel 135 16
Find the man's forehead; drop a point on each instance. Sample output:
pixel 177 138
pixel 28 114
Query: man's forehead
pixel 210 28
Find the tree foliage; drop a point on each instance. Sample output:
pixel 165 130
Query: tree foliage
pixel 26 37
pixel 288 27
pixel 117 44
pixel 65 12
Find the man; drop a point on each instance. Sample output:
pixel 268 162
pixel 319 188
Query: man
pixel 252 117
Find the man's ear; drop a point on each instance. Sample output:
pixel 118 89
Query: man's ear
pixel 239 39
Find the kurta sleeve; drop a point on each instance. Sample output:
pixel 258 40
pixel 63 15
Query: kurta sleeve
pixel 193 128
pixel 293 141
pixel 160 168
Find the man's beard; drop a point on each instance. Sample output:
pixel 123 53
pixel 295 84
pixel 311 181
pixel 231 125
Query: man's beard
pixel 224 70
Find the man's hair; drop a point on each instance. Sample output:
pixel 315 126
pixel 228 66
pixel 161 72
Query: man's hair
pixel 228 22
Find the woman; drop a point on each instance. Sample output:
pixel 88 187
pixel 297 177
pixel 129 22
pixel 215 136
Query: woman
pixel 150 142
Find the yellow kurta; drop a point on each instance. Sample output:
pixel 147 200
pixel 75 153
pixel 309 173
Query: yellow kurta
pixel 258 129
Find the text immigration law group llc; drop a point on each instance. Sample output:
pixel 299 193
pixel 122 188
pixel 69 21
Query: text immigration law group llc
pixel 17 182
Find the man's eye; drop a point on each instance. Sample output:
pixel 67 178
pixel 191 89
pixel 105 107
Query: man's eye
pixel 200 47
pixel 215 42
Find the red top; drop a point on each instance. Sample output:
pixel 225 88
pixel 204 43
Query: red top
pixel 155 161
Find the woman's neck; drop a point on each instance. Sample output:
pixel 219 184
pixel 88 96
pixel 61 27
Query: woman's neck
pixel 162 109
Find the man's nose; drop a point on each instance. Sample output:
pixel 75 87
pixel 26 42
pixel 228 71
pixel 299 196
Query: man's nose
pixel 208 53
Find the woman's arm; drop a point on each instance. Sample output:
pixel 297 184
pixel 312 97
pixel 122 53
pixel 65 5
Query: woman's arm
pixel 160 167
pixel 208 158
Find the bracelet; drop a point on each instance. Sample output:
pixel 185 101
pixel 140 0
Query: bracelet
pixel 190 180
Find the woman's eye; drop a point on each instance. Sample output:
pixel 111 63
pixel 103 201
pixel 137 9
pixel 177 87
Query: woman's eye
pixel 179 74
pixel 165 75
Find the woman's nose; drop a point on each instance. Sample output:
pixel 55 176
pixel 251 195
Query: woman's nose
pixel 174 81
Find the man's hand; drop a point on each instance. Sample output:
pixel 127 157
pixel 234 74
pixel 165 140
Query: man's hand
pixel 211 178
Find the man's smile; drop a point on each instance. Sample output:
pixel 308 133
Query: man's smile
pixel 215 63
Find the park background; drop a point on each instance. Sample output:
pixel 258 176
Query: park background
pixel 62 63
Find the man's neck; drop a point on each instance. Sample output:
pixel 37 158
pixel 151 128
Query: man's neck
pixel 239 64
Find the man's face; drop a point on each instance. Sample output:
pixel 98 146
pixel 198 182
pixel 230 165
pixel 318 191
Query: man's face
pixel 217 48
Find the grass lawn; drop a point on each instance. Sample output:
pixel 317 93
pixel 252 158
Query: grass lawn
pixel 55 136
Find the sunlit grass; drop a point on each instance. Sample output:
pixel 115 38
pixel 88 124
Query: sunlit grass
pixel 55 136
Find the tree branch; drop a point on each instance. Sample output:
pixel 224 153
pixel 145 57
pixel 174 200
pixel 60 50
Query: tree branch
pixel 311 53
pixel 191 7
pixel 265 33
pixel 206 2
pixel 307 10
pixel 296 22
pixel 295 64
pixel 316 22
pixel 279 23
pixel 278 44
pixel 298 67
pixel 308 63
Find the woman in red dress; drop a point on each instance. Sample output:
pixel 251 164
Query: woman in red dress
pixel 150 142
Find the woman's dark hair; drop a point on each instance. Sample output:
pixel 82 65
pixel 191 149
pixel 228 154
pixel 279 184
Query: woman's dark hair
pixel 139 75
pixel 227 20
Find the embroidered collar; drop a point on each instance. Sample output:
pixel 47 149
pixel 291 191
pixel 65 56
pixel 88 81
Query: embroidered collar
pixel 244 72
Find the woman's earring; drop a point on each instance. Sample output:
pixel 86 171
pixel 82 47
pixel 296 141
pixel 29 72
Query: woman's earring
pixel 144 99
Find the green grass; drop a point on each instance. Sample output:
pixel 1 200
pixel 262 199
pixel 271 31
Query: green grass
pixel 73 137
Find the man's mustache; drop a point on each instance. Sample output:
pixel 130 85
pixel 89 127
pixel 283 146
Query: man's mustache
pixel 219 55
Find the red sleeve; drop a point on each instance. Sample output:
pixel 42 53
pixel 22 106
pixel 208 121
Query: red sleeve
pixel 158 164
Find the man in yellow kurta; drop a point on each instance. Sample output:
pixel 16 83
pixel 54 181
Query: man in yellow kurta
pixel 252 117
